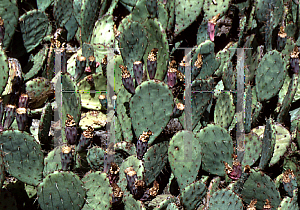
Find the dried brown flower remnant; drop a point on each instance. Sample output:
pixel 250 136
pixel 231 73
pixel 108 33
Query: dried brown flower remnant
pixel 199 61
pixel 295 53
pixel 153 54
pixel 125 72
pixel 267 205
pixel 252 206
pixel 89 133
pixel 145 136
pixel 282 33
pixel 70 121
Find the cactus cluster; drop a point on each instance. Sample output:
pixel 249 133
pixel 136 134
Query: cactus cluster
pixel 137 104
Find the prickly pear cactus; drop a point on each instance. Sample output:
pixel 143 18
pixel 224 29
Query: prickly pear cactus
pixel 151 108
pixel 271 73
pixel 27 163
pixel 217 148
pixel 66 193
pixel 260 186
pixel 184 155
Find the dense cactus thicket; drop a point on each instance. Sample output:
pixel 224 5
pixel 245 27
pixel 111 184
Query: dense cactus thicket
pixel 149 104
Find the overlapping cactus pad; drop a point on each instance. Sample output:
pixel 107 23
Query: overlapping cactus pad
pixel 149 104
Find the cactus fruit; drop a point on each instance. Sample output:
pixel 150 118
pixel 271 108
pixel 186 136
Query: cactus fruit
pixel 80 66
pixel 71 130
pixel 103 101
pixel 85 139
pixel 294 61
pixel 150 193
pixel 135 186
pixel 117 194
pixel 66 157
pixel 9 115
pixel 152 63
pixel 178 110
pixel 22 118
pixel 113 174
pixel 172 76
pixel 138 72
pixel 281 39
pixel 127 80
pixel 142 144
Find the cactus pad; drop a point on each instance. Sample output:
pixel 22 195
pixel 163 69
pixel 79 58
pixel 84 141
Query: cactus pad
pixel 61 190
pixel 184 155
pixel 217 147
pixel 23 157
pixel 151 108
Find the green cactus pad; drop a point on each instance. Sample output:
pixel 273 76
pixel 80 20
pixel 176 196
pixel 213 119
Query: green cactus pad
pixel 33 25
pixel 184 154
pixel 172 206
pixel 271 73
pixel 186 12
pixel 61 190
pixel 38 61
pixel 99 192
pixel 268 142
pixel 70 102
pixel 282 143
pixel 262 8
pixel 62 11
pixel 22 156
pixel 103 32
pixel 151 108
pixel 289 203
pixel 211 9
pixel 52 161
pixel 137 165
pixel 45 124
pixel 123 99
pixel 286 103
pixel 155 160
pixel 133 42
pixel 217 148
pixel 229 76
pixel 9 13
pixel 95 158
pixel 88 17
pixel 71 26
pixel 224 110
pixel 261 187
pixel 225 199
pixel 225 55
pixel 4 68
pixel 192 195
pixel 200 100
pixel 125 147
pixel 160 202
pixel 38 90
pixel 253 146
pixel 131 204
pixel 157 38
